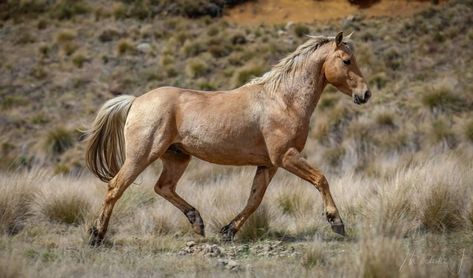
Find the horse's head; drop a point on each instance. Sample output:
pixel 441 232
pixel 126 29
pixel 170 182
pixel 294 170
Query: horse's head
pixel 341 71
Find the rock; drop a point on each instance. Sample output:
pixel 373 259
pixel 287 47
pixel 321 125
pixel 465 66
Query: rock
pixel 222 262
pixel 190 243
pixel 144 47
pixel 233 265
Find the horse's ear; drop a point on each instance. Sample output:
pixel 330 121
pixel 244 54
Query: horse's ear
pixel 349 36
pixel 339 38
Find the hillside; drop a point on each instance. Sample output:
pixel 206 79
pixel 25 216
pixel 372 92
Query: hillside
pixel 399 167
pixel 57 72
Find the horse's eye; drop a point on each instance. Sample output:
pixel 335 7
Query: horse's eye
pixel 346 62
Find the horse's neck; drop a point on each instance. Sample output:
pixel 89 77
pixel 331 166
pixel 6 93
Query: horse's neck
pixel 302 93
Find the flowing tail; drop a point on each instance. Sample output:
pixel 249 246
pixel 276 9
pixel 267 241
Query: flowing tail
pixel 105 150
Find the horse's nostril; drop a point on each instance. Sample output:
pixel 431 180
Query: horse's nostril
pixel 367 94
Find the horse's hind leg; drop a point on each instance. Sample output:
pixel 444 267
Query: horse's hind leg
pixel 260 183
pixel 174 165
pixel 127 174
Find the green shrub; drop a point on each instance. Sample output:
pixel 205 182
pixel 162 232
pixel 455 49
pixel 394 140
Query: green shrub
pixel 38 72
pixel 393 59
pixel 327 102
pixel 69 48
pixel 334 156
pixel 442 132
pixel 66 35
pixel 44 50
pixel 58 140
pixel 67 9
pixel 13 101
pixel 379 80
pixel 78 60
pixel 196 68
pixel 125 47
pixel 39 119
pixel 469 131
pixel 301 30
pixel 246 74
pixel 385 120
pixel 442 99
pixel 289 203
pixel 193 48
pixel 207 86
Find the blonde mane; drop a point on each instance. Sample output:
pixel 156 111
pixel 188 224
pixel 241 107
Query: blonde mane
pixel 289 65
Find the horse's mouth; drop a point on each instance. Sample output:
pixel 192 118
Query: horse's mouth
pixel 359 100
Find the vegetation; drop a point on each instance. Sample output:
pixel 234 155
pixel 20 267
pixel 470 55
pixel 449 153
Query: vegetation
pixel 399 166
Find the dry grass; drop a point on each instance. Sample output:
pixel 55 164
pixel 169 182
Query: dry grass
pixel 384 214
pixel 399 167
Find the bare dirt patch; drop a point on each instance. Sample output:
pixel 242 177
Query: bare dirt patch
pixel 279 11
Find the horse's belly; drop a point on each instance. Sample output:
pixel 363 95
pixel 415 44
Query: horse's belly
pixel 228 151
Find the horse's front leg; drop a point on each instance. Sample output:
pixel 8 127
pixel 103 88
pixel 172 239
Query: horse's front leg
pixel 260 183
pixel 296 164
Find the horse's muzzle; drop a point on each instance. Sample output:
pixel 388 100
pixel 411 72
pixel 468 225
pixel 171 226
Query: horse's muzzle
pixel 362 99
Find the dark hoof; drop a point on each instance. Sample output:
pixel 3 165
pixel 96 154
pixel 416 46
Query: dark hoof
pixel 337 224
pixel 339 229
pixel 196 221
pixel 95 239
pixel 227 233
pixel 199 229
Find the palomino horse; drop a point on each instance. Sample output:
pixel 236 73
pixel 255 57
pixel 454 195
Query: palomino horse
pixel 263 123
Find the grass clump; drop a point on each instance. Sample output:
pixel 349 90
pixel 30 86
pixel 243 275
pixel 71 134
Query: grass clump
pixel 13 101
pixel 66 207
pixel 442 99
pixel 67 9
pixel 246 74
pixel 469 131
pixel 441 209
pixel 442 132
pixel 380 80
pixel 125 47
pixel 14 207
pixel 196 68
pixel 385 119
pixel 58 140
pixel 334 156
pixel 66 35
pixel 380 257
pixel 78 60
pixel 256 226
pixel 313 255
pixel 301 30
pixel 289 203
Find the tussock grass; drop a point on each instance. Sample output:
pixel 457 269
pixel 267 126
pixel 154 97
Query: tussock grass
pixel 197 68
pixel 11 267
pixel 125 46
pixel 380 257
pixel 66 35
pixel 58 140
pixel 469 131
pixel 15 206
pixel 443 99
pixel 257 226
pixel 314 254
pixel 64 207
pixel 442 209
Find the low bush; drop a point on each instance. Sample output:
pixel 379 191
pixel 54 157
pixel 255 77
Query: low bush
pixel 58 140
